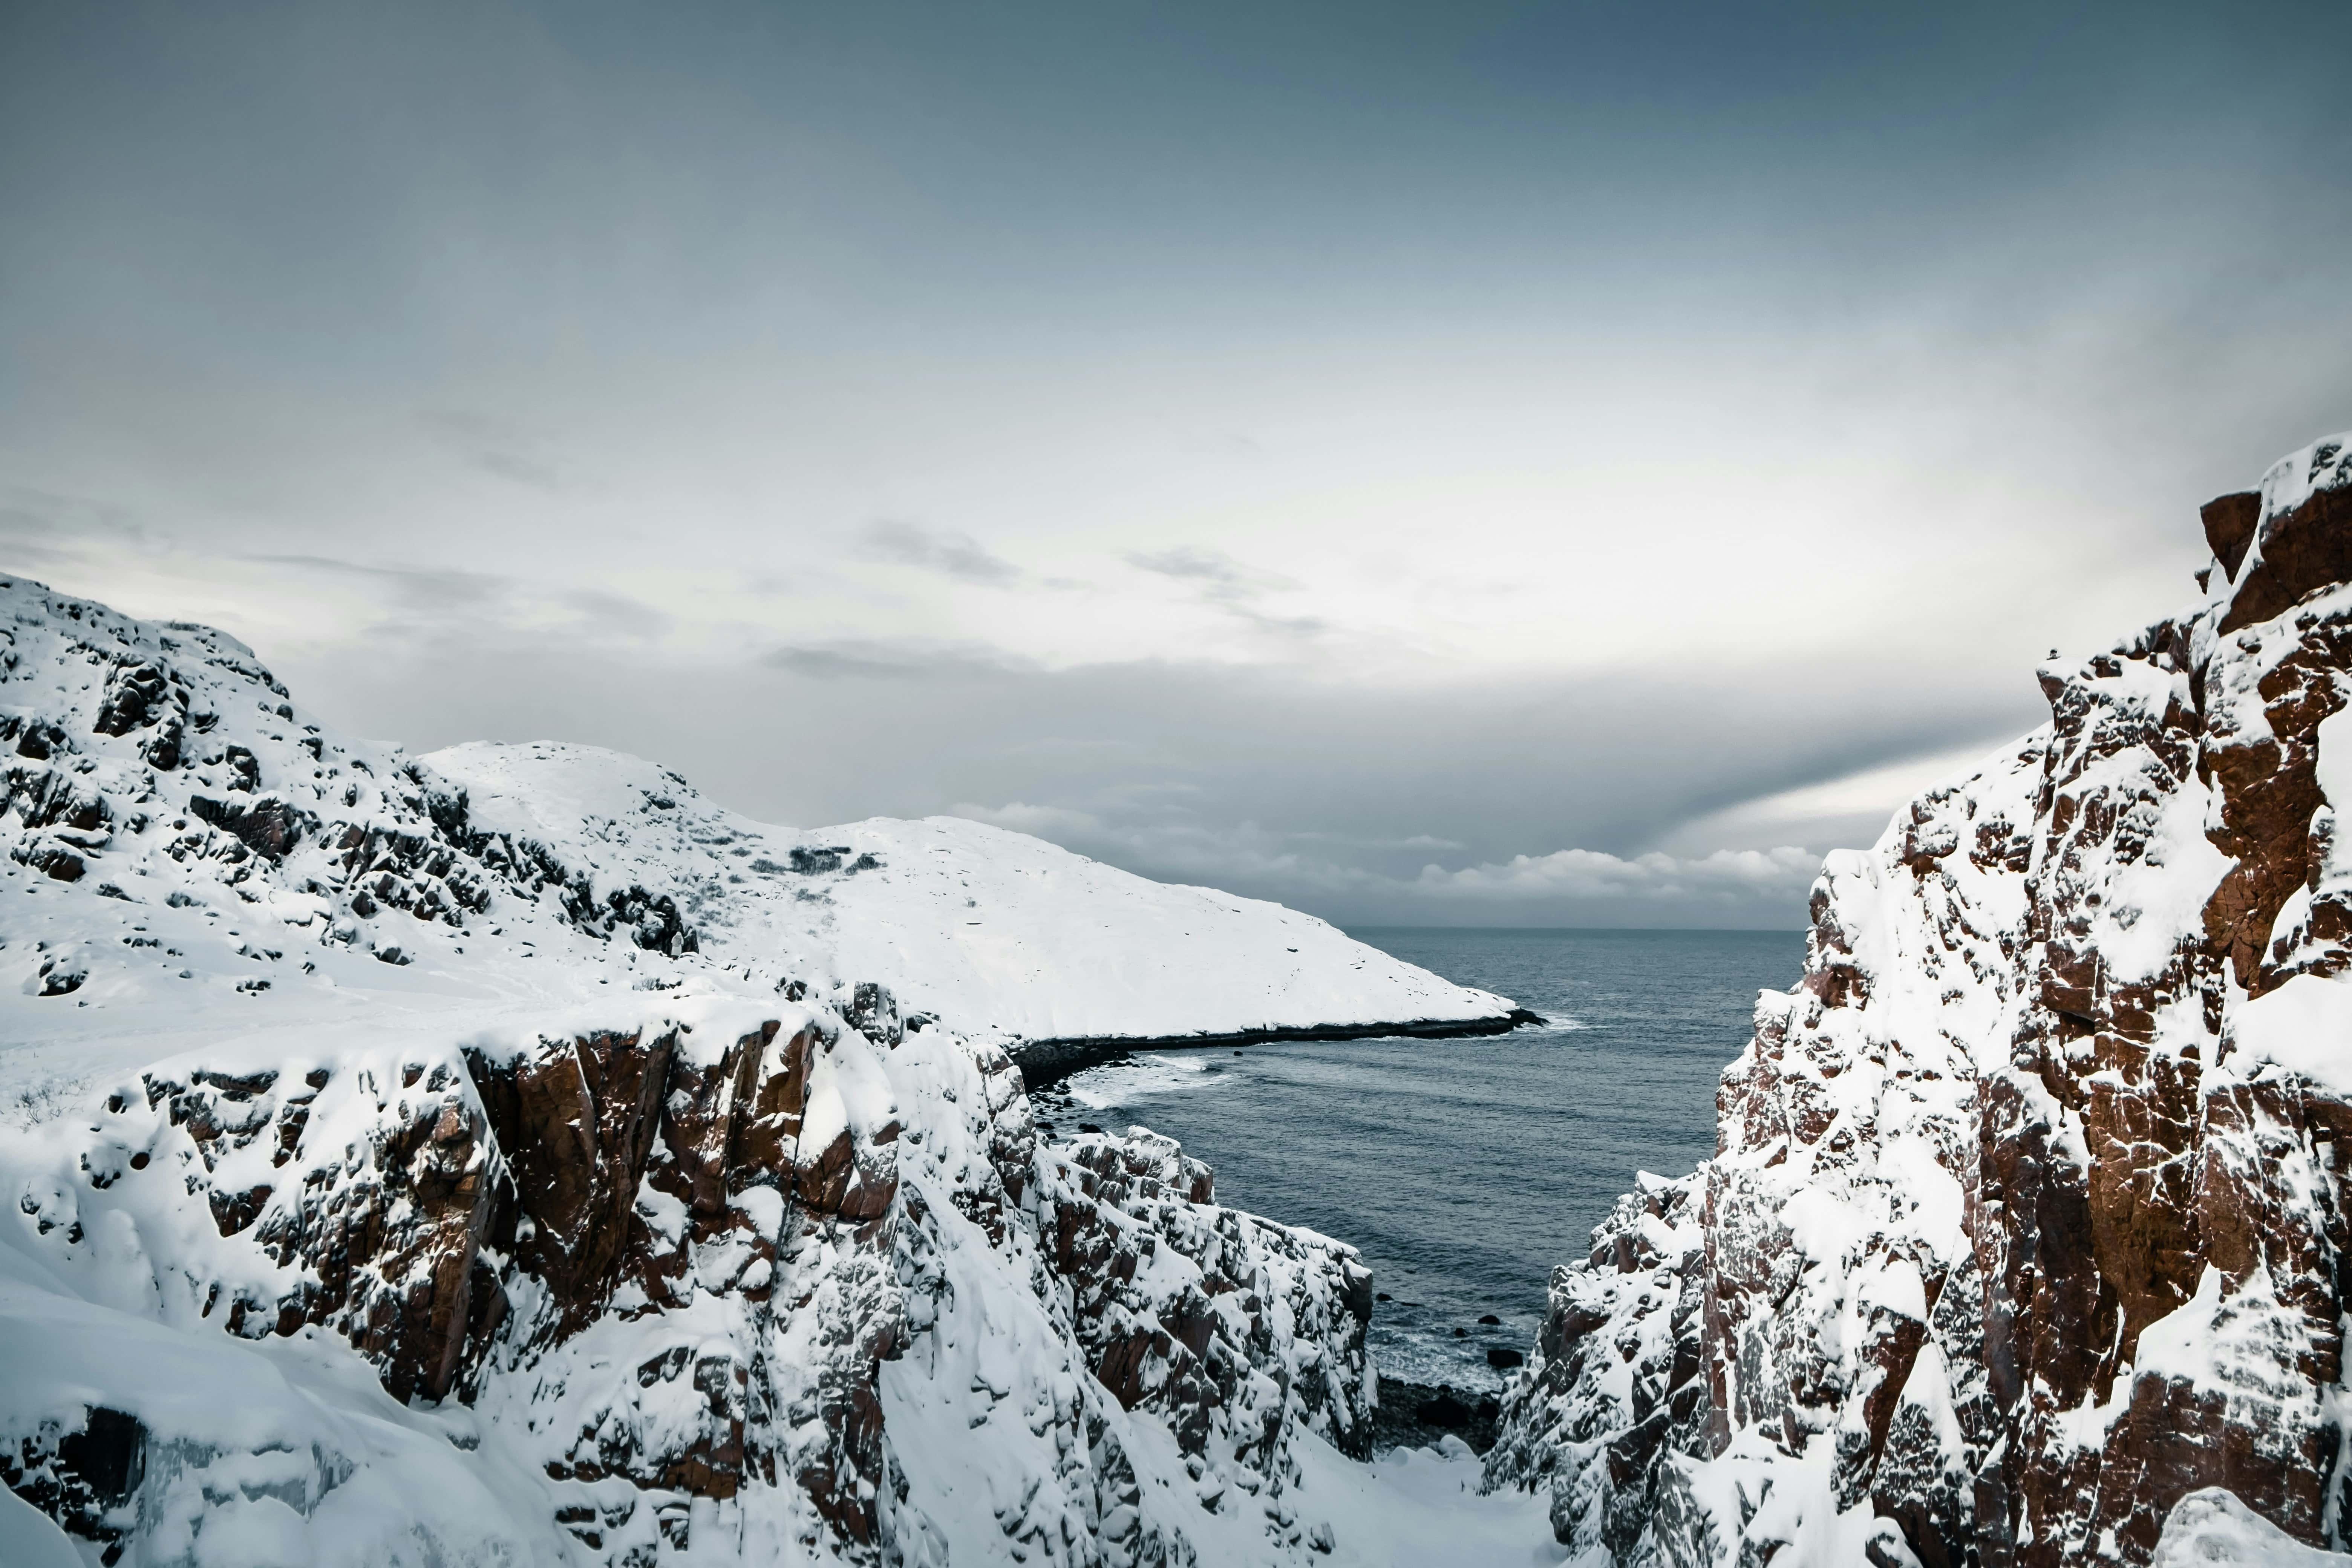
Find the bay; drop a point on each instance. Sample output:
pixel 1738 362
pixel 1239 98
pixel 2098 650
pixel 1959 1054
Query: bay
pixel 1464 1170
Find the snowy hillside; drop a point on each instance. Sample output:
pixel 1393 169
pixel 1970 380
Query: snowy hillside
pixel 994 934
pixel 403 1165
pixel 2026 1243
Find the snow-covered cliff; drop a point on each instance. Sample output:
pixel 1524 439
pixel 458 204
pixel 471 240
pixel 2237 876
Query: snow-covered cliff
pixel 509 1157
pixel 2028 1220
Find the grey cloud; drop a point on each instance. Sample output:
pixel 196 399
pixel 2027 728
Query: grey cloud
pixel 1057 747
pixel 25 510
pixel 1180 847
pixel 951 555
pixel 1418 841
pixel 618 613
pixel 417 588
pixel 1186 561
pixel 885 660
pixel 493 446
pixel 28 549
pixel 515 467
pixel 431 603
pixel 1321 796
pixel 1228 585
pixel 1220 575
pixel 1280 626
pixel 42 526
pixel 1738 886
pixel 838 664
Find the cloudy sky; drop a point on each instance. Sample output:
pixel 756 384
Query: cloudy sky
pixel 1460 462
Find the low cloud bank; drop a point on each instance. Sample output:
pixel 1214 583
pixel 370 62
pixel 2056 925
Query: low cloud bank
pixel 1567 887
pixel 1655 798
pixel 1727 876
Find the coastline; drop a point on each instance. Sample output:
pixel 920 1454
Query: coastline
pixel 1044 1063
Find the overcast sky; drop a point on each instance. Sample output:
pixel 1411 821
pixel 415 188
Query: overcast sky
pixel 1487 463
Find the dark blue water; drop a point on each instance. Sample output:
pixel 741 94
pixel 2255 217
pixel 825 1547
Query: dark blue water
pixel 1465 1169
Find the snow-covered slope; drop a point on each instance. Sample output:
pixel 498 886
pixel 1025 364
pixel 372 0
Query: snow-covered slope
pixel 398 1170
pixel 996 933
pixel 2028 1221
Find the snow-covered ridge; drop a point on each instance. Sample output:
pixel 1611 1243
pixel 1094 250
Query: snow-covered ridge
pixel 153 760
pixel 2026 1242
pixel 399 1164
pixel 996 933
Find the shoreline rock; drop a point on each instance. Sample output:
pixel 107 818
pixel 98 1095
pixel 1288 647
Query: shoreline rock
pixel 1419 1414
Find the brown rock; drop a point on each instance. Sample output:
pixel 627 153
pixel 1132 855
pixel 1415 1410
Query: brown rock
pixel 2230 522
pixel 2307 548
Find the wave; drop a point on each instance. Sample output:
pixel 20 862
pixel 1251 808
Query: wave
pixel 1136 1078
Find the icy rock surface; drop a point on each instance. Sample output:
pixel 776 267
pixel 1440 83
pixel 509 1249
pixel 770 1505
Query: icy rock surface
pixel 2028 1220
pixel 511 1158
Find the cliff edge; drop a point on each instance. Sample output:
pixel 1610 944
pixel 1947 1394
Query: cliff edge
pixel 2029 1217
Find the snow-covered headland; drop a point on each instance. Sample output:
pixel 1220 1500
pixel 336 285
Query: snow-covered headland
pixel 2029 1239
pixel 509 1156
pixel 1011 940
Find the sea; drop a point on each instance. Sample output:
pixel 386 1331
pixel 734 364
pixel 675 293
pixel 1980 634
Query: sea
pixel 1464 1170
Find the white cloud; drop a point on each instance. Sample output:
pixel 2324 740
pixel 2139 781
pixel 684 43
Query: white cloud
pixel 1851 808
pixel 1727 876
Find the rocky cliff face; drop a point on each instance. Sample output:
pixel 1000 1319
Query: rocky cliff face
pixel 2029 1218
pixel 388 1182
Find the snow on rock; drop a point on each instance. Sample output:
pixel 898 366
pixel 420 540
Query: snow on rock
pixel 997 934
pixel 2212 1529
pixel 509 1158
pixel 2027 1221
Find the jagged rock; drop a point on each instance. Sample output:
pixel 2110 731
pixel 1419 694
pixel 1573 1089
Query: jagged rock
pixel 1181 1305
pixel 2025 1223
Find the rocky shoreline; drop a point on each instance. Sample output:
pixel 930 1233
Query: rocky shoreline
pixel 1423 1415
pixel 1044 1063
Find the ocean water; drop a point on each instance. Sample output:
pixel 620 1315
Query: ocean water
pixel 1465 1169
